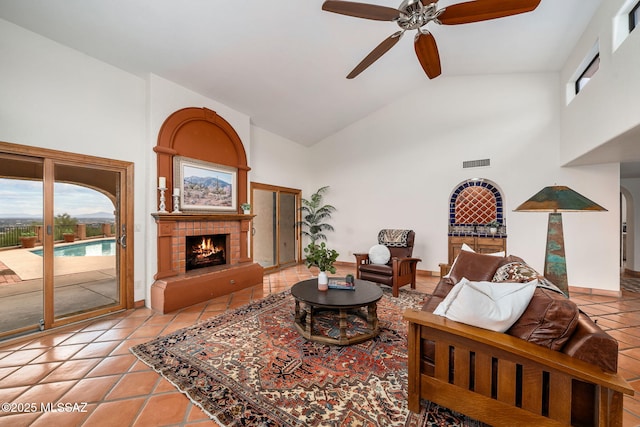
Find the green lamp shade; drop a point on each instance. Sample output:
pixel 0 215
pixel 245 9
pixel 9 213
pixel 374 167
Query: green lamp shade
pixel 558 198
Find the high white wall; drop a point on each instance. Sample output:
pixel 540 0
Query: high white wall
pixel 279 161
pixel 607 106
pixel 398 167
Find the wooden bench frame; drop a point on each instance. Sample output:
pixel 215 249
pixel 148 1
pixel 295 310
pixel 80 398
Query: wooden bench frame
pixel 481 382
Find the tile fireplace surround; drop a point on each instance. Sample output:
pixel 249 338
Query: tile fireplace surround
pixel 175 287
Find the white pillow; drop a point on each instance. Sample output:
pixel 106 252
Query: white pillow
pixel 468 248
pixel 379 254
pixel 488 305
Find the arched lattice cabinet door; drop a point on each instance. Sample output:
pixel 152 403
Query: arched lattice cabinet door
pixel 477 218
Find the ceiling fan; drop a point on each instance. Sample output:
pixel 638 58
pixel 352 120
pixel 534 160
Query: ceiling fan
pixel 416 14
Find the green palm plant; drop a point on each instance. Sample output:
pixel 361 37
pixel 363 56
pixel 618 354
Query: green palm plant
pixel 314 215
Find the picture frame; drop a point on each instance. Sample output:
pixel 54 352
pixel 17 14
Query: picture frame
pixel 205 186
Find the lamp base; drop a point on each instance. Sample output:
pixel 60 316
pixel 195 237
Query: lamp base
pixel 555 267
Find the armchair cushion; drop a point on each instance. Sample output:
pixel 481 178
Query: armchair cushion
pixel 488 305
pixel 379 254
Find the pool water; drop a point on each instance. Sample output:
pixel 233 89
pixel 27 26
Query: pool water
pixel 97 248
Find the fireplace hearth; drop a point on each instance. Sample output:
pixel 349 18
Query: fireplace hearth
pixel 205 251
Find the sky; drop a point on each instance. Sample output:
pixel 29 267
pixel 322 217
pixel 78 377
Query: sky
pixel 25 197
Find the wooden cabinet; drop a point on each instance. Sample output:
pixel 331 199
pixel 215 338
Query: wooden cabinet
pixel 483 245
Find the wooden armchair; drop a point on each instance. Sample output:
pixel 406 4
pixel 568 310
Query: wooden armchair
pixel 401 268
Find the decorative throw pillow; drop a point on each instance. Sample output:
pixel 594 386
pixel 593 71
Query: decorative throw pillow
pixel 486 304
pixel 520 271
pixel 475 267
pixel 379 254
pixel 515 272
pixel 468 248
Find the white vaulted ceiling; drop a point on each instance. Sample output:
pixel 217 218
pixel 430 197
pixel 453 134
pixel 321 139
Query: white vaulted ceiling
pixel 284 62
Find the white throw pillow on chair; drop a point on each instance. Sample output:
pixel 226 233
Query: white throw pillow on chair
pixel 379 254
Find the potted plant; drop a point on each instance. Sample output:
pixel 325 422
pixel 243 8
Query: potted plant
pixel 493 226
pixel 314 215
pixel 246 208
pixel 322 257
pixel 28 239
pixel 67 224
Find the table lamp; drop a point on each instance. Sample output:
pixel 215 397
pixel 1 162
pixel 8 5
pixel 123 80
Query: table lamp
pixel 555 200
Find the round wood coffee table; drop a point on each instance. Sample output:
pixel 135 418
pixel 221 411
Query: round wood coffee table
pixel 338 301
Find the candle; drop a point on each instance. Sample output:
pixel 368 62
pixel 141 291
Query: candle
pixel 176 191
pixel 162 182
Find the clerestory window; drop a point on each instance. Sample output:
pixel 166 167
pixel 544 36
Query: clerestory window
pixel 634 15
pixel 588 73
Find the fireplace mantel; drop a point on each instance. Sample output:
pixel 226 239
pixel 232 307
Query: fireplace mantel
pixel 184 216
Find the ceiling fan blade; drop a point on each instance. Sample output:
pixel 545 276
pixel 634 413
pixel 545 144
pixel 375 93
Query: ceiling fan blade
pixel 361 10
pixel 376 53
pixel 482 10
pixel 427 53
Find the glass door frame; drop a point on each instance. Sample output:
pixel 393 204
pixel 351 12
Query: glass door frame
pixel 298 235
pixel 124 234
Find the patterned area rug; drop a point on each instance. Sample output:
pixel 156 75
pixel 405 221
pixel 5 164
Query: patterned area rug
pixel 250 367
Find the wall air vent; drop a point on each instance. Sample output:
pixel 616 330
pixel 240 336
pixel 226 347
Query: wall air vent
pixel 476 163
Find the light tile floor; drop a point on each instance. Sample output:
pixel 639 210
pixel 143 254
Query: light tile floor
pixel 89 367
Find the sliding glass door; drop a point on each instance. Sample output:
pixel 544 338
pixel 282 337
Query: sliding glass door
pixel 77 209
pixel 21 234
pixel 85 262
pixel 275 235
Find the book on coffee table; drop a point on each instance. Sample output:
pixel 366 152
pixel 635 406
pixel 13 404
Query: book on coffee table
pixel 341 284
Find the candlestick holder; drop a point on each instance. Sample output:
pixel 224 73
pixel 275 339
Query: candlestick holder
pixel 162 208
pixel 176 204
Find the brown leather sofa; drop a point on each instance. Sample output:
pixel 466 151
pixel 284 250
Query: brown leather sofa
pixel 551 321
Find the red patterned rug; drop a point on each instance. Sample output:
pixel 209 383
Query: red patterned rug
pixel 250 367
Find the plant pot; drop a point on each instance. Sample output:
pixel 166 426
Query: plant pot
pixel 69 237
pixel 493 230
pixel 323 281
pixel 28 241
pixel 247 211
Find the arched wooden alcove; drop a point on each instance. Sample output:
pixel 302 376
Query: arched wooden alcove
pixel 201 134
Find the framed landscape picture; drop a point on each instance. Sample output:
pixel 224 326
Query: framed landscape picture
pixel 204 185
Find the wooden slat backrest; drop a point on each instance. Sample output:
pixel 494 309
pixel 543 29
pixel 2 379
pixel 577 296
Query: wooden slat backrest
pixel 500 379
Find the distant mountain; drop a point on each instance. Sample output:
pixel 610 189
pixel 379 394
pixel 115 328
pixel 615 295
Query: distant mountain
pixel 95 215
pixel 208 182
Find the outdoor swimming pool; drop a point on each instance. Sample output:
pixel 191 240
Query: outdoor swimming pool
pixel 96 248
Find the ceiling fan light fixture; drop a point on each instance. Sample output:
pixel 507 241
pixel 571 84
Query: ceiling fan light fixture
pixel 415 14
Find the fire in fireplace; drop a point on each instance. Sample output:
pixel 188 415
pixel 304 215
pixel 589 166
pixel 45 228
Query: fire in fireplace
pixel 206 251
